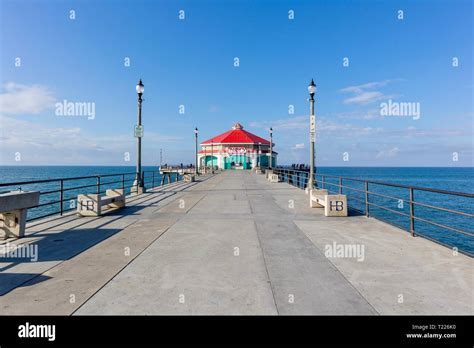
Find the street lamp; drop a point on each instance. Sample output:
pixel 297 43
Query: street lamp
pixel 212 157
pixel 312 134
pixel 196 131
pixel 139 134
pixel 271 148
pixel 259 154
pixel 161 157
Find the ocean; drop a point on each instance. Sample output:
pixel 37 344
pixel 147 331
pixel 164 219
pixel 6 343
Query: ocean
pixel 392 198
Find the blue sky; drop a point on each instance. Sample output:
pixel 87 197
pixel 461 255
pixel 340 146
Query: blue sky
pixel 190 62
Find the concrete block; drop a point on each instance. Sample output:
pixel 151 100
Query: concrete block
pixel 316 196
pixel 89 205
pixel 13 223
pixel 118 198
pixel 189 178
pixel 13 210
pixel 13 200
pixel 336 205
pixel 274 178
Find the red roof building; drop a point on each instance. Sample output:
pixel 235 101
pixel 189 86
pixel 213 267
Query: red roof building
pixel 236 149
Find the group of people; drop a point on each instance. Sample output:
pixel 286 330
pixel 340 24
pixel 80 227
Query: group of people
pixel 301 166
pixel 181 165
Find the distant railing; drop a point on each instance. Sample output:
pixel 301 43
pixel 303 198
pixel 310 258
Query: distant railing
pixel 66 194
pixel 189 169
pixel 377 200
pixel 177 168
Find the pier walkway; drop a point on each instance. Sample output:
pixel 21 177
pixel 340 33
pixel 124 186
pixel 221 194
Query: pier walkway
pixel 231 243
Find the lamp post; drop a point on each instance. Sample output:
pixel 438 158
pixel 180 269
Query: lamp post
pixel 196 162
pixel 161 157
pixel 271 148
pixel 139 134
pixel 312 133
pixel 212 157
pixel 258 155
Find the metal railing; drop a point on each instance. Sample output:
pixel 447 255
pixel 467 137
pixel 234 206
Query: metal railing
pixel 97 184
pixel 367 200
pixel 177 168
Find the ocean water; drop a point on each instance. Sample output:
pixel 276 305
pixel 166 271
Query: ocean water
pixel 395 199
pixel 120 176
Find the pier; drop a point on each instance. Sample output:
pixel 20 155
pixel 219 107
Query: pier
pixel 230 243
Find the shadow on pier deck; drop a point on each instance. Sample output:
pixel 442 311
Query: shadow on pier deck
pixel 230 244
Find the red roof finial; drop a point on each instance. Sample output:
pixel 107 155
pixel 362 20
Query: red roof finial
pixel 237 126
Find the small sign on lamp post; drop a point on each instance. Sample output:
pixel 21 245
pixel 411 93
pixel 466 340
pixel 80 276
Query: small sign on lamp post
pixel 138 131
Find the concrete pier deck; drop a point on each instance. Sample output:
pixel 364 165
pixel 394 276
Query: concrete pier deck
pixel 232 243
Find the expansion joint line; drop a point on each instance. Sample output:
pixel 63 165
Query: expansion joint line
pixel 266 269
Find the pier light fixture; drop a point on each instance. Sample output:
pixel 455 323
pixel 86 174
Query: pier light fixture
pixel 196 169
pixel 259 154
pixel 140 87
pixel 212 157
pixel 271 148
pixel 312 135
pixel 205 159
pixel 312 88
pixel 138 184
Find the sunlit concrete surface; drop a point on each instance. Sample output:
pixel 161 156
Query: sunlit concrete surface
pixel 232 243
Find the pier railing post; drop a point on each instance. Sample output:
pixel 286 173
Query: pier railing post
pixel 153 180
pixel 98 185
pixel 123 182
pixel 412 213
pixel 340 185
pixel 322 181
pixel 367 198
pixel 61 196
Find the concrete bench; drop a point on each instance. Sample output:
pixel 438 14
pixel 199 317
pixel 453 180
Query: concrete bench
pixel 91 204
pixel 13 210
pixel 334 205
pixel 273 178
pixel 189 178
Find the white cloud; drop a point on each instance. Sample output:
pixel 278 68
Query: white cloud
pixel 324 126
pixel 23 99
pixel 298 146
pixel 365 93
pixel 390 153
pixel 370 144
pixel 41 144
pixel 365 86
pixel 365 98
